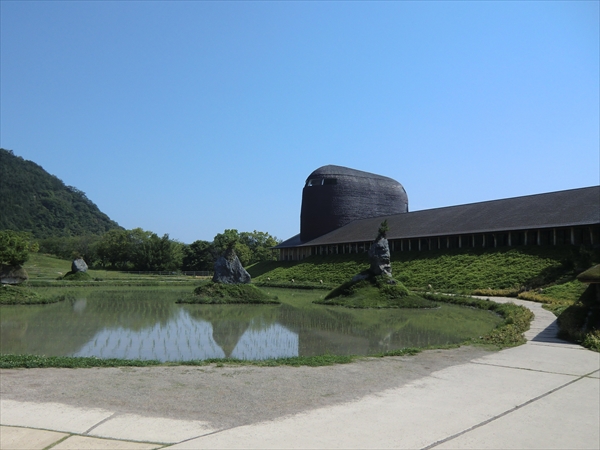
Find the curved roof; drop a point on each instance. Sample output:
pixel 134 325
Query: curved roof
pixel 331 170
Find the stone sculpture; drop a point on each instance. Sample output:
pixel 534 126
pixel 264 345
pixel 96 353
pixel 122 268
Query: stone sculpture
pixel 229 269
pixel 379 257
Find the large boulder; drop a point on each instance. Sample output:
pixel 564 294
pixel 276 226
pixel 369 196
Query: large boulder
pixel 229 269
pixel 12 275
pixel 78 265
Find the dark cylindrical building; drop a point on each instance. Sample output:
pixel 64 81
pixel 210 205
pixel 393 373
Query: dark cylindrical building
pixel 334 196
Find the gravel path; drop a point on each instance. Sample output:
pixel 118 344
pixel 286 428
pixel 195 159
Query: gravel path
pixel 227 396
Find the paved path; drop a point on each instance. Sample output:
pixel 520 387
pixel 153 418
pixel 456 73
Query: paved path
pixel 544 394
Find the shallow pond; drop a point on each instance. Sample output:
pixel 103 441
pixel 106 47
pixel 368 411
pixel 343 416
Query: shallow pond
pixel 148 324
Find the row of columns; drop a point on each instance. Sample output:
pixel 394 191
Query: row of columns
pixel 589 235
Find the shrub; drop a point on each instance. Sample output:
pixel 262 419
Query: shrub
pixel 15 247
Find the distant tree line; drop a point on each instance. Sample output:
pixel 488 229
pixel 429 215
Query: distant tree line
pixel 138 249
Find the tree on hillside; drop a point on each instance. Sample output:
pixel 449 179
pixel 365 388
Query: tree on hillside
pixel 151 252
pixel 259 243
pixel 15 247
pixel 230 238
pixel 198 256
pixel 71 247
pixel 250 247
pixel 113 249
pixel 138 249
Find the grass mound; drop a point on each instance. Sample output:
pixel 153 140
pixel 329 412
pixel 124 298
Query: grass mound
pixel 220 293
pixel 21 295
pixel 375 292
pixel 76 276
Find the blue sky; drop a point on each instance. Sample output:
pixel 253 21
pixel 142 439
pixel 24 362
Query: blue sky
pixel 188 118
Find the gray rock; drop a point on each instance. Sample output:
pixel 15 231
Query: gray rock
pixel 12 275
pixel 379 257
pixel 229 269
pixel 79 265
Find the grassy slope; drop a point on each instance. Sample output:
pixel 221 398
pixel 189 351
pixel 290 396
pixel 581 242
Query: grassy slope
pixel 44 270
pixel 454 271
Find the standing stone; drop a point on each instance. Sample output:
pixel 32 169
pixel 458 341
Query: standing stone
pixel 229 269
pixel 379 257
pixel 78 265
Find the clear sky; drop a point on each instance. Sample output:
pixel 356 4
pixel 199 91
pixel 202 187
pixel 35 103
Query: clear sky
pixel 188 118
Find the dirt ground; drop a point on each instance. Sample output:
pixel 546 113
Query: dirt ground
pixel 225 396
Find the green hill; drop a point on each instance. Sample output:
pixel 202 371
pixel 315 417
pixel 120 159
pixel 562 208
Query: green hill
pixel 33 200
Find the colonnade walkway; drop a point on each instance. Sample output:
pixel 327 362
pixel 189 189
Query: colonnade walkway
pixel 544 394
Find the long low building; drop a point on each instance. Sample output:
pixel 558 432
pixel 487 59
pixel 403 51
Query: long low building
pixel 554 218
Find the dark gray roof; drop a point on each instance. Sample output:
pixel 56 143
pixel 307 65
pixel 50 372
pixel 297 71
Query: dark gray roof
pixel 553 209
pixel 332 170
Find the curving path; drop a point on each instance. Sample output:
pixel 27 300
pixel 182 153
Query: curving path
pixel 544 394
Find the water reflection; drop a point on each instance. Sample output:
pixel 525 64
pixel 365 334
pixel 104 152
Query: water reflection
pixel 149 325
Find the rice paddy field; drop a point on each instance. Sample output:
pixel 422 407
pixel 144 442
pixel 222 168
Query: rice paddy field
pixel 145 323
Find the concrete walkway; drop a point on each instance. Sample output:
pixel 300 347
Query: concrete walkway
pixel 544 394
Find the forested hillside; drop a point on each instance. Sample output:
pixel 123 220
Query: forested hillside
pixel 33 200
